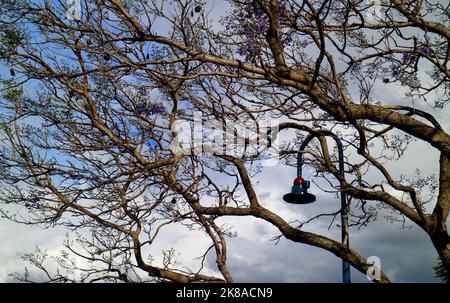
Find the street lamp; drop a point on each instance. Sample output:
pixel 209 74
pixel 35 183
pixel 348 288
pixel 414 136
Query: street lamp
pixel 299 193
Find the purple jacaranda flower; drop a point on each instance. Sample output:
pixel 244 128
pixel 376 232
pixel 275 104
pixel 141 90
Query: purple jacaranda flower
pixel 33 202
pixel 252 22
pixel 141 108
pixel 426 50
pixel 157 109
pixel 246 30
pixel 260 27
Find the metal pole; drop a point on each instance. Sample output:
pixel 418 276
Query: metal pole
pixel 344 207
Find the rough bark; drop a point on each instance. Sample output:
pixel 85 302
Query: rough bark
pixel 438 232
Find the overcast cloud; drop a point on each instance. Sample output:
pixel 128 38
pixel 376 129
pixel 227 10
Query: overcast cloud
pixel 406 255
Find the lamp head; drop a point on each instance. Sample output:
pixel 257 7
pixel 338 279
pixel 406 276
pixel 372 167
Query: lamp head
pixel 299 193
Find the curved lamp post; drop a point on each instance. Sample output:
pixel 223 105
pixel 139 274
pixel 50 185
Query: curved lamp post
pixel 299 194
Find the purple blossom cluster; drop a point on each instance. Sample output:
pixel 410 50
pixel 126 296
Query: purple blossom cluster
pixel 409 58
pixel 158 109
pixel 252 23
pixel 33 202
pixel 145 108
pixel 426 50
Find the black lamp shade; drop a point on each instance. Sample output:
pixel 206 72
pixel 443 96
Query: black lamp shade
pixel 299 198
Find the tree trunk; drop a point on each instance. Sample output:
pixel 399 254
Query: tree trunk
pixel 441 242
pixel 439 234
